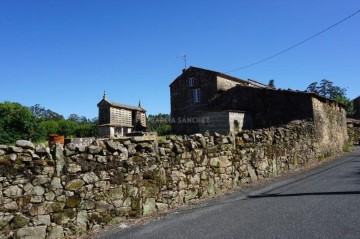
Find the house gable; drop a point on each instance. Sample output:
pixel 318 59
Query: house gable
pixel 192 91
pixel 104 103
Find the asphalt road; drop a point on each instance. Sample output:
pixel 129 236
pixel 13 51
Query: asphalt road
pixel 321 203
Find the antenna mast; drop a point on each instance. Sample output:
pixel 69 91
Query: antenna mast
pixel 184 57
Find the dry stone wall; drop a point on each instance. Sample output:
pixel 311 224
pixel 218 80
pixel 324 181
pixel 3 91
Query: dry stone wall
pixel 354 135
pixel 57 192
pixel 330 124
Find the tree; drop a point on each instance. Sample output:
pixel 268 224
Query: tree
pixel 164 130
pixel 79 119
pixel 312 87
pixel 47 127
pixel 74 118
pixel 159 123
pixel 350 111
pixel 44 114
pixel 86 130
pixel 67 128
pixel 272 83
pixel 327 89
pixel 36 123
pixel 16 122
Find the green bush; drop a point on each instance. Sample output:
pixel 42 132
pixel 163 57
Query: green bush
pixel 164 130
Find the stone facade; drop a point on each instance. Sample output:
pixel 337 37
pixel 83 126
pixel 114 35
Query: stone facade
pixel 224 121
pixel 268 107
pixel 354 135
pixel 191 92
pixel 117 120
pixel 330 124
pixel 58 192
pixel 356 103
pixel 262 106
pixel 353 131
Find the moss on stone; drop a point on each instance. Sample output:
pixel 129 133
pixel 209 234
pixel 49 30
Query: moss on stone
pixel 212 149
pixel 5 220
pixel 72 202
pixel 70 213
pixel 19 221
pixel 137 159
pixel 5 160
pixel 150 188
pixel 74 185
pixel 115 193
pixel 57 218
pixel 136 207
pixel 100 217
pixel 57 206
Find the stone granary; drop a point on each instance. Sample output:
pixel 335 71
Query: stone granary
pixel 227 104
pixel 190 95
pixel 118 119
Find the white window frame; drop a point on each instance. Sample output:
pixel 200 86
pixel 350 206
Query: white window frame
pixel 197 95
pixel 191 81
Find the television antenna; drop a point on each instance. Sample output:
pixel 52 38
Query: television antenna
pixel 184 58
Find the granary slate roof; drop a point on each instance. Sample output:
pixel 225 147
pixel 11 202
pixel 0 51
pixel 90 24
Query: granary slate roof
pixel 121 106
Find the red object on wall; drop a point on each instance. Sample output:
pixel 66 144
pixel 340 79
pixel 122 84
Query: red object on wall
pixel 56 138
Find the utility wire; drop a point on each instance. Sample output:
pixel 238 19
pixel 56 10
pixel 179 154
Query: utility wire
pixel 292 47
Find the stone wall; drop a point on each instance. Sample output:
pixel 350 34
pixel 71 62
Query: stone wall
pixel 356 103
pixel 330 125
pixel 224 84
pixel 354 135
pixel 267 107
pixel 223 121
pixel 52 193
pixel 218 121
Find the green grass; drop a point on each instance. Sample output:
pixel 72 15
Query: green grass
pixel 348 147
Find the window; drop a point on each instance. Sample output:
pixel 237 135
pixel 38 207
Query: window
pixel 196 95
pixel 191 81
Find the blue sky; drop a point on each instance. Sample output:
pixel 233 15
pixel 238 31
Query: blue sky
pixel 64 54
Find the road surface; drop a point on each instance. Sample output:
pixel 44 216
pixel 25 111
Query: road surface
pixel 321 203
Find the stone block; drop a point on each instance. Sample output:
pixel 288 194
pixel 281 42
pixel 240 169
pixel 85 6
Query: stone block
pixel 149 206
pixel 56 232
pixel 42 220
pixel 31 232
pixel 25 144
pixel 4 220
pixel 74 185
pixel 92 149
pixel 13 192
pixel 90 178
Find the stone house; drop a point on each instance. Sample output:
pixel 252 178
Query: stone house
pixel 228 104
pixel 269 107
pixel 191 93
pixel 356 103
pixel 118 119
